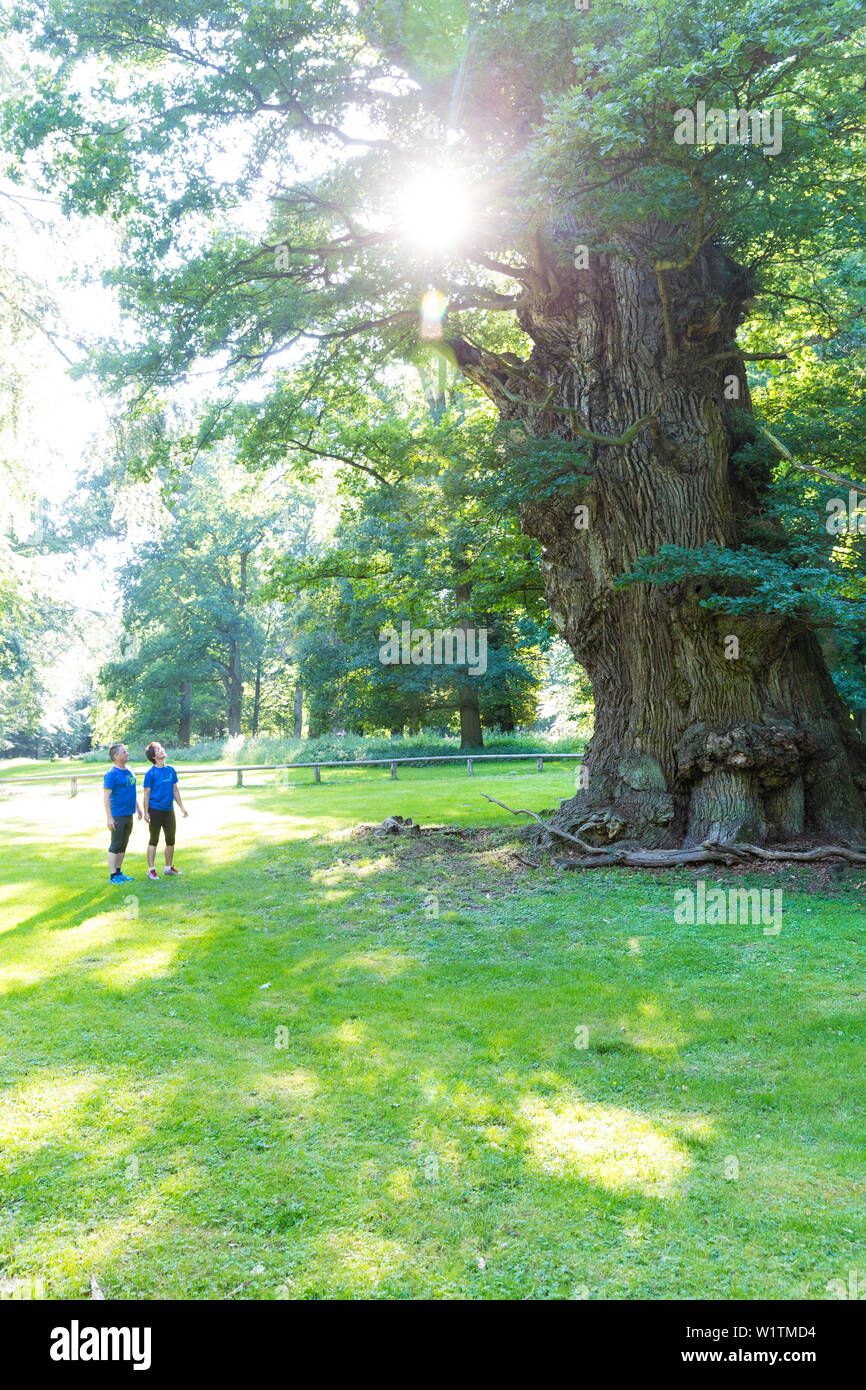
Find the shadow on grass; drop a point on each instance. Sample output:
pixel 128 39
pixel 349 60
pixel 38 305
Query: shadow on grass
pixel 257 1078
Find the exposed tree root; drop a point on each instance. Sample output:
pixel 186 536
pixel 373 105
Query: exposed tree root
pixel 856 856
pixel 654 858
pixel 711 852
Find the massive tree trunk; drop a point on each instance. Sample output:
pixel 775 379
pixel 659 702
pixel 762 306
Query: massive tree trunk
pixel 691 742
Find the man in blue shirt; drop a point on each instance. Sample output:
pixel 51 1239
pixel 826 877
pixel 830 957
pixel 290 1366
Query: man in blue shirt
pixel 160 793
pixel 121 804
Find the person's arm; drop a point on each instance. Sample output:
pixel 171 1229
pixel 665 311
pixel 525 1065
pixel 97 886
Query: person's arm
pixel 145 796
pixel 178 800
pixel 106 801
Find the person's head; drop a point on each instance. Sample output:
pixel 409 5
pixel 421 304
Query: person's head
pixel 155 752
pixel 118 754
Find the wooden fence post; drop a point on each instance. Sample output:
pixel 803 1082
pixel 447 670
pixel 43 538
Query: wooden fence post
pixel 240 778
pixel 317 773
pixel 73 790
pixel 539 763
pixel 469 766
pixel 394 771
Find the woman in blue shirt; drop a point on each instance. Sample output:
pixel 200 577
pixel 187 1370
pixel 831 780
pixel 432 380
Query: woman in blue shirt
pixel 160 793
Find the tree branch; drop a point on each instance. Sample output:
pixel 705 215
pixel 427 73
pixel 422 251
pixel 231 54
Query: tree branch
pixel 836 478
pixel 563 835
pixel 340 458
pixel 750 356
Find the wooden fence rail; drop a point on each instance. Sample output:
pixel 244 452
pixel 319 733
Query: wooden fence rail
pixel 392 763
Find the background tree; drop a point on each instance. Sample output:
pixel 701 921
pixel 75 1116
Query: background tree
pixel 200 654
pixel 34 621
pixel 422 538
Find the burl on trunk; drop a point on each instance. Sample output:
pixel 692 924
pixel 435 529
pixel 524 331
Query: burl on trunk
pixel 690 744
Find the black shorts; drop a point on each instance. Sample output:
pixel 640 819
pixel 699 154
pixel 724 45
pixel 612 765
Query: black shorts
pixel 120 834
pixel 163 820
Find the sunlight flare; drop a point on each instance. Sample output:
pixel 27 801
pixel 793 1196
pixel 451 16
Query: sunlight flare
pixel 435 211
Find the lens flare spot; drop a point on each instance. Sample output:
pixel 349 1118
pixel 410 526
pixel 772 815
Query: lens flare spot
pixel 432 313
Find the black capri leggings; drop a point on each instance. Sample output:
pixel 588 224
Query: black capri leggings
pixel 120 834
pixel 163 820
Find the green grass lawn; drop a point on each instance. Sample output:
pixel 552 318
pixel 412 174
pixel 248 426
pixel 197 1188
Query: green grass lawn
pixel 322 1065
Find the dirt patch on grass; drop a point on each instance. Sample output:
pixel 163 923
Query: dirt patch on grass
pixel 435 839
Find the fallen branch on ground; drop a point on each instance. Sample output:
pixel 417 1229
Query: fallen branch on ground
pixel 563 834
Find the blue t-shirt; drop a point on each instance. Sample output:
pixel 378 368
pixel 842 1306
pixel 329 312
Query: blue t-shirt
pixel 121 783
pixel 160 782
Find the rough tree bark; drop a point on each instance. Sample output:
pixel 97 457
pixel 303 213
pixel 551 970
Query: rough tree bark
pixel 689 746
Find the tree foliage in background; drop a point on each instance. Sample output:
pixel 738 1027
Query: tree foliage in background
pixel 423 538
pixel 201 654
pixel 34 622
